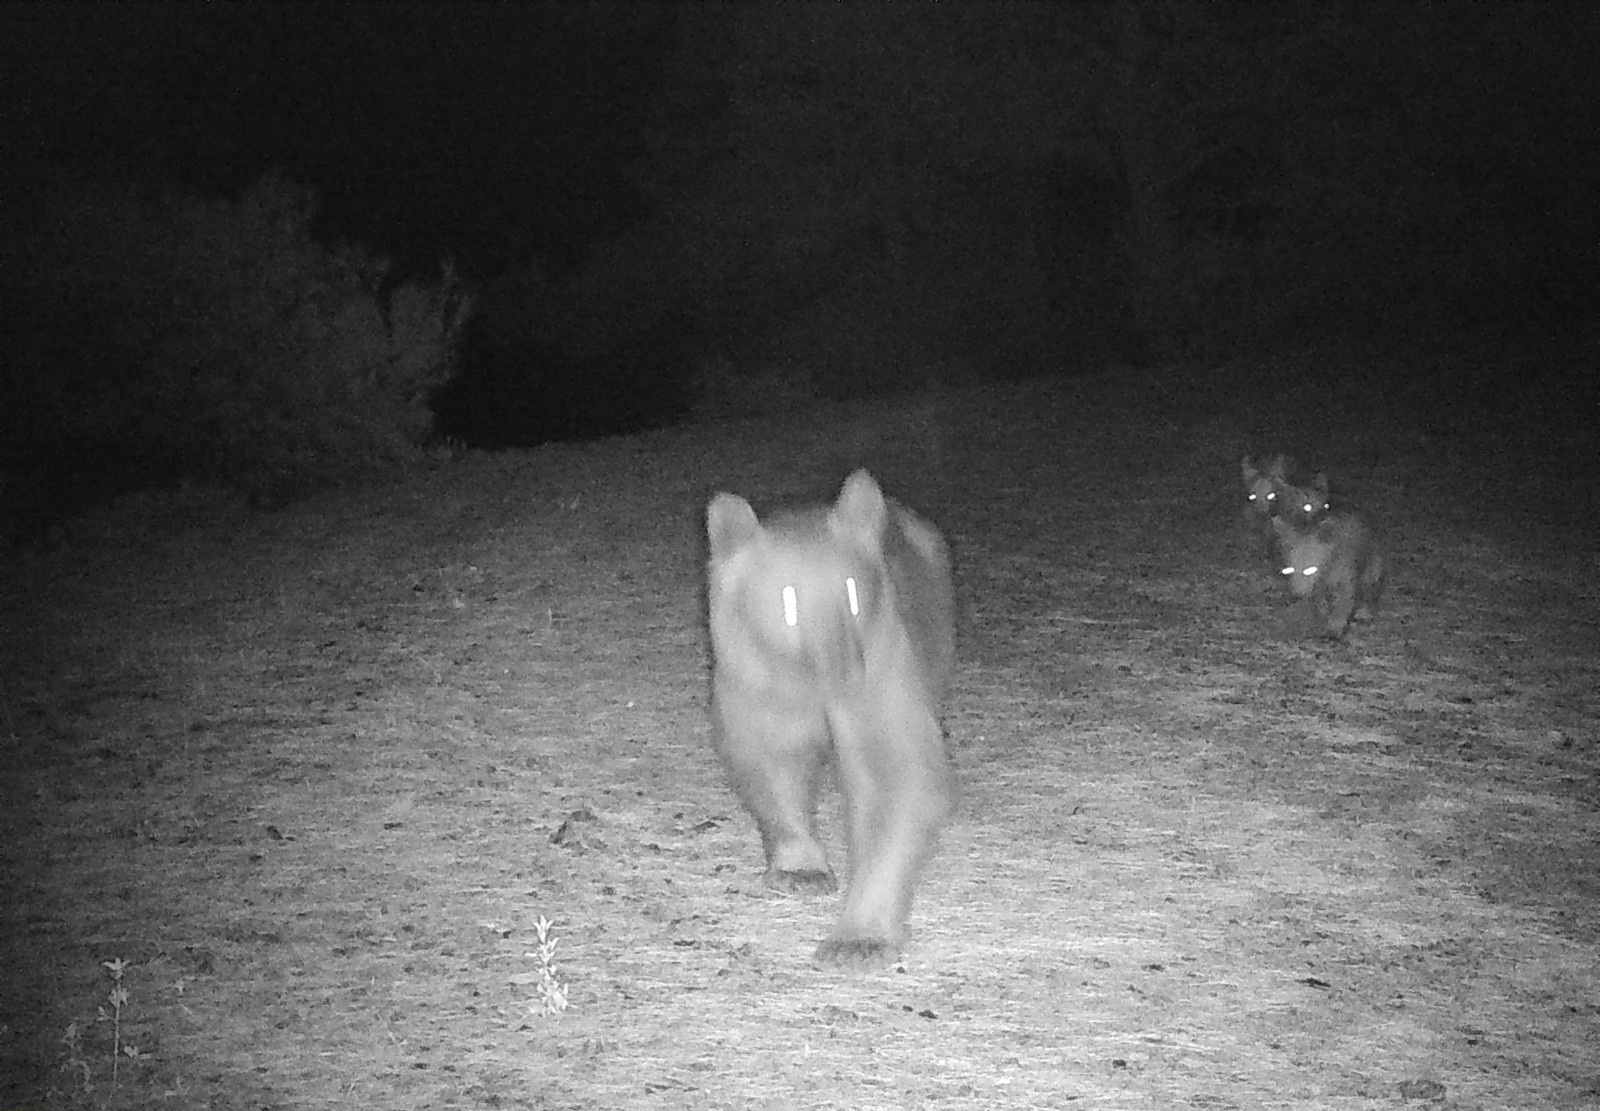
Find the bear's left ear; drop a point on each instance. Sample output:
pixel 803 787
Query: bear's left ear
pixel 860 508
pixel 730 525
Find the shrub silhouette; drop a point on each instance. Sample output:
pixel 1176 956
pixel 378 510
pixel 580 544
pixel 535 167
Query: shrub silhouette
pixel 160 338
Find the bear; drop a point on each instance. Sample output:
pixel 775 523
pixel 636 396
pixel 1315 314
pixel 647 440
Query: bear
pixel 1336 564
pixel 832 644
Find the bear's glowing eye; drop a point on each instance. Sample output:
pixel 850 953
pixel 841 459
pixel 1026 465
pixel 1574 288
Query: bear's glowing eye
pixel 1287 571
pixel 1272 496
pixel 1309 571
pixel 1251 496
pixel 850 591
pixel 791 610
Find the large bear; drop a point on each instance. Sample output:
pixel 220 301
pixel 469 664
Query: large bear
pixel 833 639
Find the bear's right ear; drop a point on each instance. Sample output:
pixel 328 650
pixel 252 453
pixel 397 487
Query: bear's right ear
pixel 860 508
pixel 730 525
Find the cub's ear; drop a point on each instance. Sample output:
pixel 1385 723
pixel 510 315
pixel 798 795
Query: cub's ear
pixel 730 525
pixel 1248 469
pixel 1280 467
pixel 1319 482
pixel 1286 532
pixel 860 508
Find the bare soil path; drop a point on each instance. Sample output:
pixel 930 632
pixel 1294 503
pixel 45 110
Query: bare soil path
pixel 315 777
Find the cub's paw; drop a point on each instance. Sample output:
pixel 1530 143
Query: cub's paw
pixel 857 954
pixel 809 882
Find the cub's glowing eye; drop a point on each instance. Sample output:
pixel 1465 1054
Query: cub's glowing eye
pixel 791 609
pixel 1272 496
pixel 1309 571
pixel 1287 571
pixel 850 591
pixel 1250 496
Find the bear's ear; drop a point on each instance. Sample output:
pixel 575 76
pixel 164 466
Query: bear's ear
pixel 1248 469
pixel 860 508
pixel 1286 532
pixel 730 525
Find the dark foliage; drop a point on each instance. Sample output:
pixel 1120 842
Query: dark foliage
pixel 156 339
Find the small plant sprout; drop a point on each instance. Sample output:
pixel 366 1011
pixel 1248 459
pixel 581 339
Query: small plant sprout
pixel 552 992
pixel 118 999
pixel 76 1064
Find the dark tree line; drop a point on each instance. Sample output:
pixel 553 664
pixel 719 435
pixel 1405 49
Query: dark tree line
pixel 1023 188
pixel 662 207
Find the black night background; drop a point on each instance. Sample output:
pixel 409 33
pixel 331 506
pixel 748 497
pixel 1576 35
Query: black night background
pixel 651 212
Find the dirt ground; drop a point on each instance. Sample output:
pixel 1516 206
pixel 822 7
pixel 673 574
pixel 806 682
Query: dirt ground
pixel 288 797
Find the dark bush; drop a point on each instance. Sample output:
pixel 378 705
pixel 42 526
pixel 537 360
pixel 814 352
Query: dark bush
pixel 158 339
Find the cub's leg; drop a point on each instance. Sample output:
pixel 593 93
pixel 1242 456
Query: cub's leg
pixel 1371 593
pixel 776 758
pixel 898 791
pixel 1341 604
